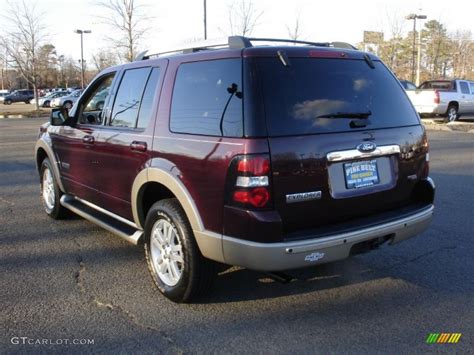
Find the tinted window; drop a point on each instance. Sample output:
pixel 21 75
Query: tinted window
pixel 464 88
pixel 207 98
pixel 296 97
pixel 472 88
pixel 128 98
pixel 147 101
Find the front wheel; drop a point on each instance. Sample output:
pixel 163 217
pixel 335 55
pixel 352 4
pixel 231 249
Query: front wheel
pixel 177 267
pixel 451 113
pixel 50 192
pixel 7 102
pixel 67 105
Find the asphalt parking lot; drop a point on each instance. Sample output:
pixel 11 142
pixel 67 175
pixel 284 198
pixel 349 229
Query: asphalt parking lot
pixel 72 280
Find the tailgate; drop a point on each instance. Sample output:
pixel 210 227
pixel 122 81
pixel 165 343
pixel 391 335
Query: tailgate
pixel 422 97
pixel 320 180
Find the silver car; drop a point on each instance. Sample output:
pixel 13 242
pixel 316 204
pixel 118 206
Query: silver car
pixel 45 101
pixel 66 101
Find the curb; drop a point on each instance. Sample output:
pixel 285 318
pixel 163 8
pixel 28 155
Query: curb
pixel 433 125
pixel 21 116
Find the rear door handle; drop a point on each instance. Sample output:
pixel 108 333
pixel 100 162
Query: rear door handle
pixel 88 139
pixel 138 146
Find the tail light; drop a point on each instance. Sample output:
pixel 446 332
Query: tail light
pixel 436 99
pixel 248 182
pixel 426 167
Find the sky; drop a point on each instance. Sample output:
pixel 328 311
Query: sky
pixel 177 21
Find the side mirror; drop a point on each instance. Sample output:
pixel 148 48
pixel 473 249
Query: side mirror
pixel 58 116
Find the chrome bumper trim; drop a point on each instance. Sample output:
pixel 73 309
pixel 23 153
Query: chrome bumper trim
pixel 356 154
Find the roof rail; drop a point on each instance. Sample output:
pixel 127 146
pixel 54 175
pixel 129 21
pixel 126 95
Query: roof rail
pixel 234 42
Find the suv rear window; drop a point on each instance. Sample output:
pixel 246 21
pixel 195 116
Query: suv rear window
pixel 296 95
pixel 207 98
pixel 438 85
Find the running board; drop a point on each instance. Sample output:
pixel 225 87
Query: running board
pixel 102 218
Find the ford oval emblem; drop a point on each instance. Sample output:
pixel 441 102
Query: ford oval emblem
pixel 366 147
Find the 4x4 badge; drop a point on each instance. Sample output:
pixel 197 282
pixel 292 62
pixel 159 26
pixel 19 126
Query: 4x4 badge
pixel 366 147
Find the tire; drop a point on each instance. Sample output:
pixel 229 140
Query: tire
pixel 451 114
pixel 7 102
pixel 176 265
pixel 67 105
pixel 27 102
pixel 46 104
pixel 50 192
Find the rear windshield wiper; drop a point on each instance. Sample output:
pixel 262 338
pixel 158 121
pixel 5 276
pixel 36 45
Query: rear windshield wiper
pixel 361 115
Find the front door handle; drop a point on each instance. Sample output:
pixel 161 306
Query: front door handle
pixel 88 139
pixel 138 146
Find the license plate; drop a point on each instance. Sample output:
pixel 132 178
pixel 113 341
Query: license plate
pixel 361 174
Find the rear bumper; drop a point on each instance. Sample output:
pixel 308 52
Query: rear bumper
pixel 439 109
pixel 297 254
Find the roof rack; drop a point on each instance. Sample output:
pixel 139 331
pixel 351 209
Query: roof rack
pixel 235 42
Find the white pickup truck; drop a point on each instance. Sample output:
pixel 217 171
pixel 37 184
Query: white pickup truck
pixel 448 98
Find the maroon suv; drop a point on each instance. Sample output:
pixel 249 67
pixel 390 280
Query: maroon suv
pixel 266 157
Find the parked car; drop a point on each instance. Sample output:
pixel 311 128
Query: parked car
pixel 3 93
pixel 265 157
pixel 66 100
pixel 46 100
pixel 18 96
pixel 97 102
pixel 408 85
pixel 449 98
pixel 74 89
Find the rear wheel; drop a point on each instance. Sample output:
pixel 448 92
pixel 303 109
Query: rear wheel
pixel 177 267
pixel 50 192
pixel 451 113
pixel 7 102
pixel 46 104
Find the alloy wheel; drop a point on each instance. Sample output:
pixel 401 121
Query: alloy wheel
pixel 166 252
pixel 452 114
pixel 49 194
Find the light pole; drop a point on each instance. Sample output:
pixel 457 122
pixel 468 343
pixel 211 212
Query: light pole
pixel 205 20
pixel 81 32
pixel 414 17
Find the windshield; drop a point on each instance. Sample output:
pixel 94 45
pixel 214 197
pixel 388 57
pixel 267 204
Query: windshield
pixel 318 95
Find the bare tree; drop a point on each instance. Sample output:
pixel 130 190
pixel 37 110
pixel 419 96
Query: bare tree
pixel 23 39
pixel 104 58
pixel 70 72
pixel 294 32
pixel 243 17
pixel 3 63
pixel 462 54
pixel 130 19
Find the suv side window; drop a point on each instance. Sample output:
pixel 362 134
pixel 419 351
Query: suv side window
pixel 207 98
pixel 472 88
pixel 147 101
pixel 93 103
pixel 128 98
pixel 464 88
